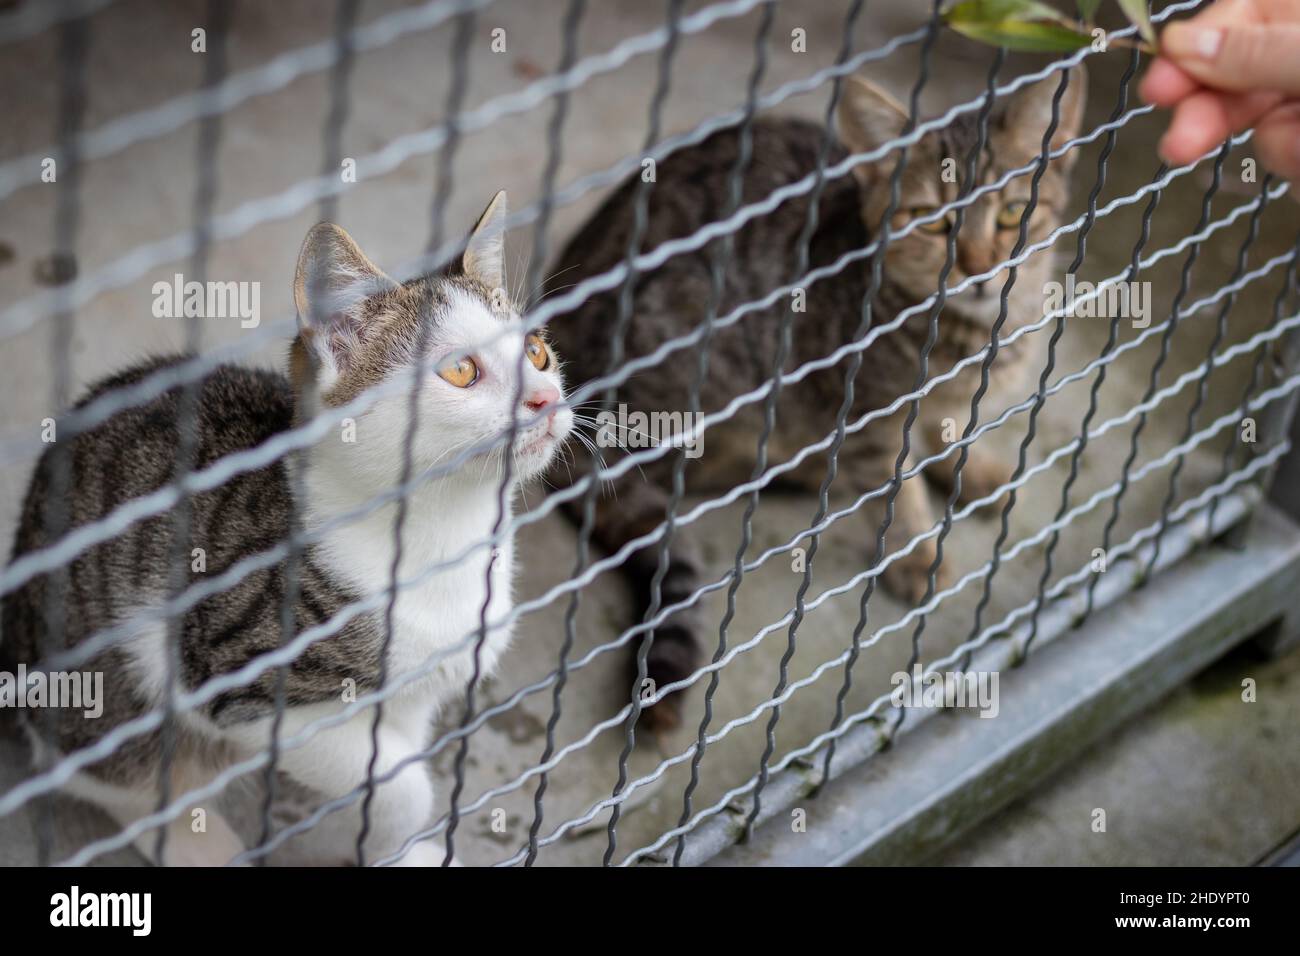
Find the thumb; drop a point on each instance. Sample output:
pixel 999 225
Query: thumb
pixel 1237 57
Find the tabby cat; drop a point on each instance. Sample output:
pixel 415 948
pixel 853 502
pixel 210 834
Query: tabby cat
pixel 690 191
pixel 358 329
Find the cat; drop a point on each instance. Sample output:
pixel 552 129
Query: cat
pixel 690 190
pixel 358 328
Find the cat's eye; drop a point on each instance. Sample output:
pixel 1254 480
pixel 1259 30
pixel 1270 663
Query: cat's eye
pixel 538 353
pixel 462 372
pixel 936 227
pixel 1009 217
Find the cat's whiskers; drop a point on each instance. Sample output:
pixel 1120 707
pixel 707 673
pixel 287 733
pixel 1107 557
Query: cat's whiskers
pixel 533 302
pixel 628 429
pixel 587 420
pixel 609 486
pixel 550 292
pixel 587 442
pixel 566 458
pixel 522 265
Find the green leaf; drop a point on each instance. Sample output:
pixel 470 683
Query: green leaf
pixel 1033 37
pixel 994 11
pixel 1136 11
pixel 1088 9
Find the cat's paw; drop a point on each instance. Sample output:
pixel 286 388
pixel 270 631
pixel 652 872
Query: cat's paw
pixel 908 578
pixel 674 656
pixel 981 476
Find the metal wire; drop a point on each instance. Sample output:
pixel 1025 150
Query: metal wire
pixel 640 221
pixel 234 772
pixel 208 144
pixel 972 423
pixel 1040 398
pixel 1202 386
pixel 1201 438
pixel 290 201
pixel 1288 287
pixel 1182 513
pixel 345 16
pixel 1184 285
pixel 28 566
pixel 1220 425
pixel 442 194
pixel 31 20
pixel 1261 401
pixel 74 40
pixel 717 276
pixel 302 194
pixel 868 303
pixel 803 245
pixel 554 148
pixel 1111 341
pixel 251 671
pixel 220 471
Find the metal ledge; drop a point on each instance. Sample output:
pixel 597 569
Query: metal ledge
pixel 947 774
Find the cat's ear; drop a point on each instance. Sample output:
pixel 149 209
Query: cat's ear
pixel 868 117
pixel 485 249
pixel 333 281
pixel 1029 112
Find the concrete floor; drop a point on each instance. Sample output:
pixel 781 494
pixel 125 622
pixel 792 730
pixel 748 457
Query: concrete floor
pixel 140 55
pixel 1205 779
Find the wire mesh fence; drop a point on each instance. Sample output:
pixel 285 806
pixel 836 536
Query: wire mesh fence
pixel 293 588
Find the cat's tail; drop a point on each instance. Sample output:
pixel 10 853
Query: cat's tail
pixel 631 512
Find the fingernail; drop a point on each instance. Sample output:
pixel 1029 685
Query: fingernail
pixel 1203 43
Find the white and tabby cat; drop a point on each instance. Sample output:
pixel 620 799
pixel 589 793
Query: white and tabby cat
pixel 358 328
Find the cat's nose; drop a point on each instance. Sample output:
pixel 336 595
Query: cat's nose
pixel 541 398
pixel 976 262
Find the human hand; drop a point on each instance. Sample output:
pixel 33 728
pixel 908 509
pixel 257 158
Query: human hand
pixel 1232 66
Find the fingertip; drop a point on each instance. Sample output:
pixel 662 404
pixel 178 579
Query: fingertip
pixel 1199 124
pixel 1173 150
pixel 1165 84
